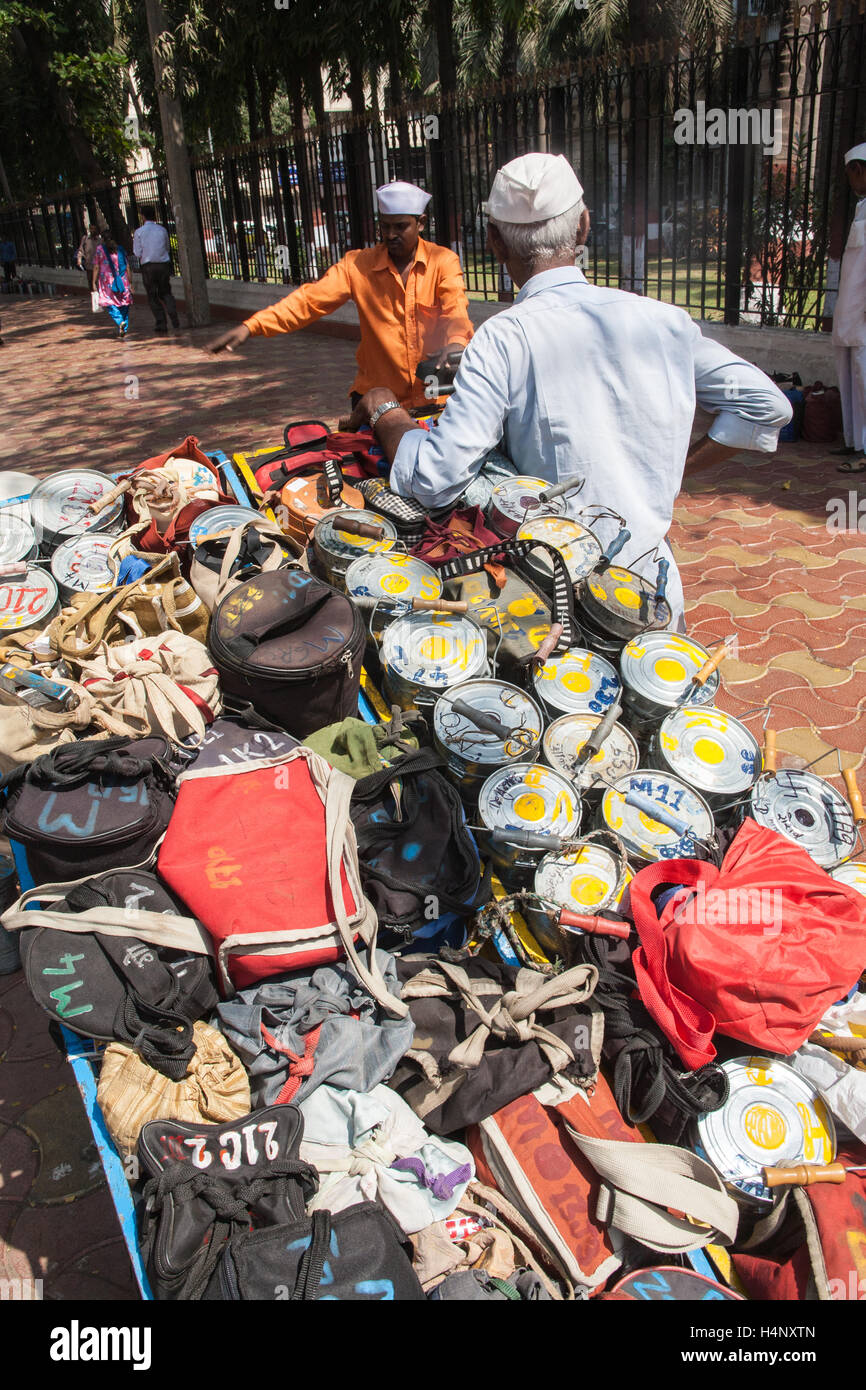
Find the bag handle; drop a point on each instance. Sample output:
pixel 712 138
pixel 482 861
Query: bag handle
pixel 102 608
pixel 268 531
pixel 309 594
pixel 159 928
pixel 682 1019
pixel 642 1182
pixel 303 444
pixel 424 760
pixel 338 828
pixel 563 589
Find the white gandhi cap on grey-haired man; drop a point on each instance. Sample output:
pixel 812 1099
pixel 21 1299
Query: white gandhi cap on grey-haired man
pixel 575 379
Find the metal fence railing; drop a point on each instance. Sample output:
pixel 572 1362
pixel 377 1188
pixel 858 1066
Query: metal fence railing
pixel 732 219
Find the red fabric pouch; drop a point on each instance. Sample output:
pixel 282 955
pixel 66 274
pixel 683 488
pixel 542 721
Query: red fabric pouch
pixel 758 952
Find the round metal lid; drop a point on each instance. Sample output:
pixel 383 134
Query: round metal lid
pixel 583 880
pixel 517 499
pixel 434 649
pixel 772 1116
pixel 529 796
pixel 659 666
pixel 576 544
pixel 511 706
pixel 852 873
pixel 806 809
pixel 710 750
pixel 15 490
pixel 60 505
pixel 219 519
pixel 641 833
pixel 27 602
pixel 17 539
pixel 578 681
pixel 82 562
pixel 392 577
pixel 626 597
pixel 564 738
pixel 327 535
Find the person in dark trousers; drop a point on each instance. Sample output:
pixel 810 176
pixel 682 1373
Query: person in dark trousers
pixel 8 258
pixel 151 245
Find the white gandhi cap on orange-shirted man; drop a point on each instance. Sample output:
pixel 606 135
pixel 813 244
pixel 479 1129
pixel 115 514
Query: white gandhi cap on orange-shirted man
pixel 849 323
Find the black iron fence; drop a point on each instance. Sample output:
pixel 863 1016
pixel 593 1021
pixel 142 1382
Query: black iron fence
pixel 714 180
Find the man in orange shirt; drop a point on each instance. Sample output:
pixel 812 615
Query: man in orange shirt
pixel 410 296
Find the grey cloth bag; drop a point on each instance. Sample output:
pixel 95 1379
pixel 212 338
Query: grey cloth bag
pixel 272 1028
pixel 470 1285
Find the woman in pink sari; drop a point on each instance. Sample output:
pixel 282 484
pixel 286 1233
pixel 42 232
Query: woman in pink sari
pixel 110 277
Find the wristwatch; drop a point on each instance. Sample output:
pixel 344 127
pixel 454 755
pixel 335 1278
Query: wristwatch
pixel 381 410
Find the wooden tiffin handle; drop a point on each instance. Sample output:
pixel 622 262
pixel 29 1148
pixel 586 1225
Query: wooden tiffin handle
pixel 117 491
pixel 850 779
pixel 712 663
pixel 769 750
pixel 804 1175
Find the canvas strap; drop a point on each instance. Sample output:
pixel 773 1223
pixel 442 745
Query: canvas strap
pixel 159 928
pixel 510 1015
pixel 644 1184
pixel 563 589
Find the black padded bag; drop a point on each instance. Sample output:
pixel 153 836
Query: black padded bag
pixel 292 646
pixel 414 844
pixel 92 805
pixel 120 988
pixel 356 1255
pixel 207 1183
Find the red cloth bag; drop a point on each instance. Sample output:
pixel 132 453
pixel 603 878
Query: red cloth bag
pixel 177 534
pixel 760 951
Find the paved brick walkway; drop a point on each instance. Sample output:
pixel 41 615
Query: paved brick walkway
pixel 752 541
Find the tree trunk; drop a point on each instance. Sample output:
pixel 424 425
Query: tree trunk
pixel 317 96
pixel 358 164
pixel 252 101
pixel 189 246
pixel 443 25
pixel 294 88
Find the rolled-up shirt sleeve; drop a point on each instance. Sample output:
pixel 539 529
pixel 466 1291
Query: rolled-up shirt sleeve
pixel 749 408
pixel 435 466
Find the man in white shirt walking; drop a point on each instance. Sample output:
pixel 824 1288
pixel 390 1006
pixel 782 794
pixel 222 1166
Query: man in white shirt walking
pixel 151 245
pixel 579 380
pixel 849 323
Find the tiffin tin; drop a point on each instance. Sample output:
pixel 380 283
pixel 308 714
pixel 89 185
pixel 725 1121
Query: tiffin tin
pixel 709 749
pixel 657 671
pixel 424 654
pixel 647 839
pixel 60 506
pixel 336 549
pixel 526 797
pixel 585 879
pixel 808 810
pixel 473 753
pixel 578 682
pixel 27 602
pixel 82 563
pixel 772 1117
pixel 563 740
pixel 17 539
pixel 515 501
pixel 577 545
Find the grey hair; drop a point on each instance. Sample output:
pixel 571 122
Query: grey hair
pixel 537 242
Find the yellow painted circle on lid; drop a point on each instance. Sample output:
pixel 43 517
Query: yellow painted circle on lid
pixel 394 583
pixel 627 597
pixel 529 806
pixel 655 827
pixel 522 607
pixel 625 576
pixel 436 647
pixel 576 681
pixel 708 751
pixel 598 591
pixel 765 1126
pixel 588 891
pixel 668 669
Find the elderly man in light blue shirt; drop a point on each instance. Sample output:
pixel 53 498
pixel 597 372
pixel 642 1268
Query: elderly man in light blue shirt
pixel 577 380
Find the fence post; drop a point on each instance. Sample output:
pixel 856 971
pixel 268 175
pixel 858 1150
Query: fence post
pixel 735 194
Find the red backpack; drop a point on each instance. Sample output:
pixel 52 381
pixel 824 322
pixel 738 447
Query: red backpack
pixel 264 855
